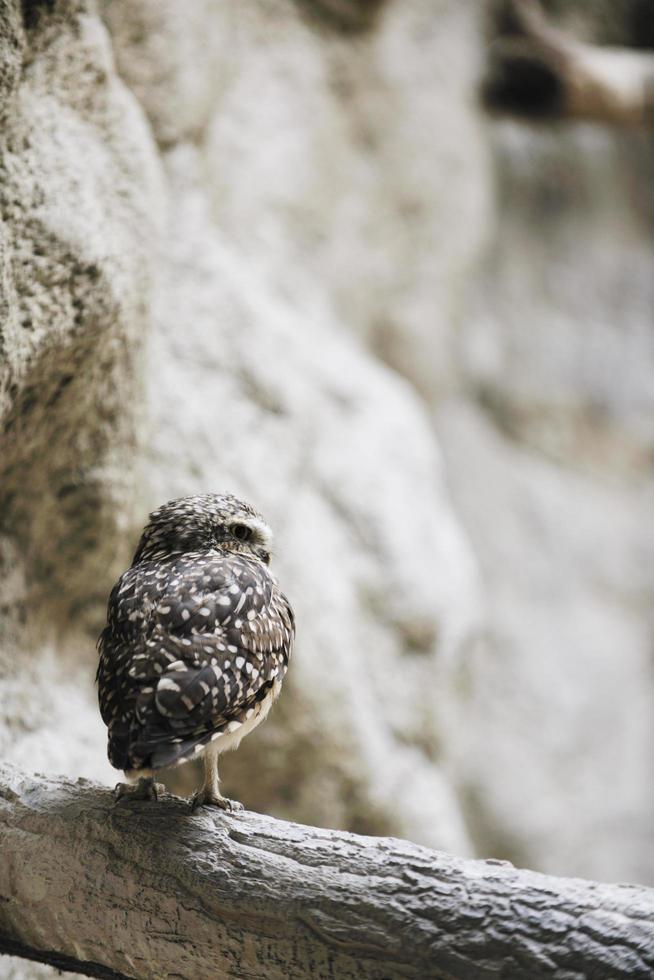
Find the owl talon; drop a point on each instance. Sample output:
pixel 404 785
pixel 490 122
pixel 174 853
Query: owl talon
pixel 144 789
pixel 205 798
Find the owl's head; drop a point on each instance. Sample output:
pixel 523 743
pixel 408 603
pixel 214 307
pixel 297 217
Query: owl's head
pixel 203 522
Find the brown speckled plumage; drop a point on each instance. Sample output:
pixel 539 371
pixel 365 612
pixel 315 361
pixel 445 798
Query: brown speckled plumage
pixel 198 635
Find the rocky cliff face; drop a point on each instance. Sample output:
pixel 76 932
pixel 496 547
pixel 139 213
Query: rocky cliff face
pixel 214 356
pixel 554 423
pixel 254 247
pixel 80 196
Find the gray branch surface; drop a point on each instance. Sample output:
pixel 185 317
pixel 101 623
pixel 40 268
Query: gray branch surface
pixel 149 889
pixel 538 71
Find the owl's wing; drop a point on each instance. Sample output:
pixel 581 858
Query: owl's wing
pixel 208 664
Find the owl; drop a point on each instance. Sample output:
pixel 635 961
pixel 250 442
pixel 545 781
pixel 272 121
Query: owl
pixel 197 643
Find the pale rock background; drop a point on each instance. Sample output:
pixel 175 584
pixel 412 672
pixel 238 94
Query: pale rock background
pixel 275 247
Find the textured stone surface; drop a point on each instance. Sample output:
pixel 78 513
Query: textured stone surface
pixel 250 382
pixel 217 221
pixel 319 144
pixel 79 202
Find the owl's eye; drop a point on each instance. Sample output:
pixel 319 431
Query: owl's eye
pixel 242 532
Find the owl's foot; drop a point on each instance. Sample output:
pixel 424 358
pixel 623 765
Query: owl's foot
pixel 144 789
pixel 205 797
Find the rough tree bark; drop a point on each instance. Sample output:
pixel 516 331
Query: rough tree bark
pixel 149 889
pixel 536 71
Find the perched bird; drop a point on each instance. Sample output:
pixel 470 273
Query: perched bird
pixel 196 645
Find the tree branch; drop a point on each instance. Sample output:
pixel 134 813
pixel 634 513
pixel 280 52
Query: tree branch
pixel 147 889
pixel 536 71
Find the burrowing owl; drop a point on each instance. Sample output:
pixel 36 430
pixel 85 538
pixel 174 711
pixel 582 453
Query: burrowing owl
pixel 197 642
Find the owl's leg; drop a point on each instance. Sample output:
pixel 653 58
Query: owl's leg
pixel 209 793
pixel 145 788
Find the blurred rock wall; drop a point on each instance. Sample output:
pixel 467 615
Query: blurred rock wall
pixel 548 448
pixel 274 248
